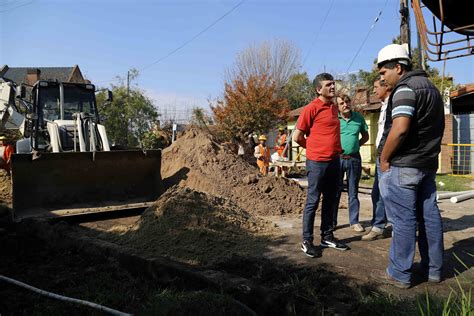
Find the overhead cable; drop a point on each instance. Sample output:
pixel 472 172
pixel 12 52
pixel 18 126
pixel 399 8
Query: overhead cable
pixel 366 36
pixel 194 37
pixel 186 42
pixel 18 6
pixel 317 34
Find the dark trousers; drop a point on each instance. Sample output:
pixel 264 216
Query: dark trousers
pixel 379 218
pixel 353 168
pixel 322 178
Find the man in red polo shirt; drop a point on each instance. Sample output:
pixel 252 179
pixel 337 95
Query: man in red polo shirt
pixel 319 122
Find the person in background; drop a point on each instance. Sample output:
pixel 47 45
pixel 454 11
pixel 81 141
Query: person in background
pixel 262 153
pixel 379 218
pixel 281 142
pixel 352 126
pixel 6 151
pixel 409 150
pixel 281 149
pixel 317 130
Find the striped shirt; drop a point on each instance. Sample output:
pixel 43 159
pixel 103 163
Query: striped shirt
pixel 403 102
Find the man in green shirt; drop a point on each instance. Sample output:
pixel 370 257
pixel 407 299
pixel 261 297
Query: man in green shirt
pixel 352 125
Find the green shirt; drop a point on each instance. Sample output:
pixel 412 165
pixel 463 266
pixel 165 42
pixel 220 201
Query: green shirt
pixel 350 130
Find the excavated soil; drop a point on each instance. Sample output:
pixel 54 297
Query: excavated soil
pixel 195 228
pixel 198 161
pixel 5 192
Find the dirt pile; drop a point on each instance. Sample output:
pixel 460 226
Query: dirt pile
pixel 197 161
pixel 5 189
pixel 196 228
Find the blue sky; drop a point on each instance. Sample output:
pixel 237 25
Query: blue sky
pixel 106 38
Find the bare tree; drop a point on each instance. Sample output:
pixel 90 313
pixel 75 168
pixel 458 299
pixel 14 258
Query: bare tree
pixel 277 60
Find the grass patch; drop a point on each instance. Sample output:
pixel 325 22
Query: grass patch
pixel 367 182
pixel 454 183
pixel 375 303
pixel 459 301
pixel 450 183
pixel 171 302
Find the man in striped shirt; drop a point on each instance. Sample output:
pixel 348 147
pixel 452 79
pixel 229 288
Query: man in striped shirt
pixel 409 151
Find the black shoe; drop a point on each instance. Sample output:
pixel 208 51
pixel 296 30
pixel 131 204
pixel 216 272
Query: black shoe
pixel 309 249
pixel 334 243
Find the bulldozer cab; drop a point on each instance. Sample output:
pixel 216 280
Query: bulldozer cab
pixel 56 107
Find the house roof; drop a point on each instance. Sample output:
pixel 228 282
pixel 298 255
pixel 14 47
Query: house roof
pixel 18 74
pixel 462 100
pixel 363 101
pixel 295 113
pixel 462 91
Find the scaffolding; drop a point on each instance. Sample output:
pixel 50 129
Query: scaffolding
pixel 451 34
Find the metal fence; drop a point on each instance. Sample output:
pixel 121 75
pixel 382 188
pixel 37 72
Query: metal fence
pixel 461 159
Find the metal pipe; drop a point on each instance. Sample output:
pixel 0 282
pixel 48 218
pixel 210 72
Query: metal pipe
pixel 63 298
pixel 443 196
pixel 61 100
pixel 462 197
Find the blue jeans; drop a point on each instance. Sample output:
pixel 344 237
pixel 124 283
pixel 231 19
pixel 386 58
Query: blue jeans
pixel 409 195
pixel 353 168
pixel 322 178
pixel 379 218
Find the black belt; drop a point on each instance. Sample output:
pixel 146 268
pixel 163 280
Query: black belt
pixel 345 157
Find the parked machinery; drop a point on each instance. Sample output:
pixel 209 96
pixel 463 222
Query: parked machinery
pixel 63 163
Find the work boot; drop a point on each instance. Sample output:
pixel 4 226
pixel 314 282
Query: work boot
pixel 419 270
pixel 372 235
pixel 383 277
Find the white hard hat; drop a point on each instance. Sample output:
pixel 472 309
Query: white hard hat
pixel 394 52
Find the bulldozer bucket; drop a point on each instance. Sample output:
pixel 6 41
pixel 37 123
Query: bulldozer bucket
pixel 71 183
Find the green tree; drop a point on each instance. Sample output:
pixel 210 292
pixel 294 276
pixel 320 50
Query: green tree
pixel 298 91
pixel 249 106
pixel 199 117
pixel 130 116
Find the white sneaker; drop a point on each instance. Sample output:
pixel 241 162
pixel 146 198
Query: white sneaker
pixel 358 228
pixel 372 235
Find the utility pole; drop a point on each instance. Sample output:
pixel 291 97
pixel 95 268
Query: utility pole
pixel 128 104
pixel 405 24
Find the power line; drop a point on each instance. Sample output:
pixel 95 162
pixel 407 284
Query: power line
pixel 367 36
pixel 186 42
pixel 195 36
pixel 317 34
pixel 18 6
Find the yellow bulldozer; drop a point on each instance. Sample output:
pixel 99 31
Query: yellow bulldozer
pixel 63 164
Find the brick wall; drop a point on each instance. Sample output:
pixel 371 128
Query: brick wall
pixel 446 155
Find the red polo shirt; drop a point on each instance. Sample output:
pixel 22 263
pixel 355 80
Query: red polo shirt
pixel 320 124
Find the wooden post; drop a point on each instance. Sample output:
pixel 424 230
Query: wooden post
pixel 405 24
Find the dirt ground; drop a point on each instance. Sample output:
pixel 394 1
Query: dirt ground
pixel 363 258
pixel 217 218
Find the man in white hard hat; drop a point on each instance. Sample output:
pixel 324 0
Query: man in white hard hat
pixel 409 151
